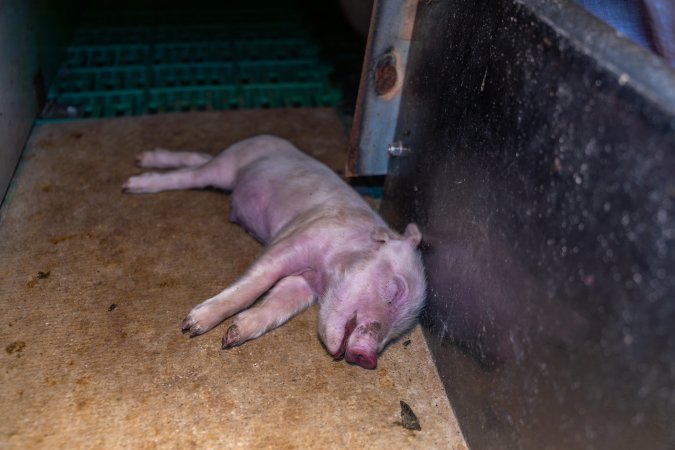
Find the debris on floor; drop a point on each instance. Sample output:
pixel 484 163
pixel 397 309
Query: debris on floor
pixel 409 420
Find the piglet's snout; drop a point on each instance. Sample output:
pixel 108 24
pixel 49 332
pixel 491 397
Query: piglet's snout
pixel 363 345
pixel 364 358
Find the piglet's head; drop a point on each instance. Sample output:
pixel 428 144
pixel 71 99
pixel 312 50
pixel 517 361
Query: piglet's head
pixel 374 298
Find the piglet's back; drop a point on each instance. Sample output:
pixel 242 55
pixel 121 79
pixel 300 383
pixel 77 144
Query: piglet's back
pixel 275 183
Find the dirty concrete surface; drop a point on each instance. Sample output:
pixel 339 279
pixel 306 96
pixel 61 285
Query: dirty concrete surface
pixel 94 284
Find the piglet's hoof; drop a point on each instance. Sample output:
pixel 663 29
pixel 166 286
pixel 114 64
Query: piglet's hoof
pixel 189 327
pixel 231 337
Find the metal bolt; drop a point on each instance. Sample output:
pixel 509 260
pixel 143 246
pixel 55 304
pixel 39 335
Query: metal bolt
pixel 397 149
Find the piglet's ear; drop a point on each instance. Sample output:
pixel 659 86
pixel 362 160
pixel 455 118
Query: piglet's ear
pixel 395 290
pixel 412 234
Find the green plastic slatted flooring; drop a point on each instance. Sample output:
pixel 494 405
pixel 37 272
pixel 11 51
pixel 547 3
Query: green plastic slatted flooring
pixel 151 64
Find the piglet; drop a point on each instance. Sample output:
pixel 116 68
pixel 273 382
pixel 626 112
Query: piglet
pixel 323 242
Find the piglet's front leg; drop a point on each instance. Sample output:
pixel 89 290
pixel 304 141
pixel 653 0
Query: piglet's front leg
pixel 277 262
pixel 286 299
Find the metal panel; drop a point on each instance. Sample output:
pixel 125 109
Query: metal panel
pixel 382 76
pixel 540 170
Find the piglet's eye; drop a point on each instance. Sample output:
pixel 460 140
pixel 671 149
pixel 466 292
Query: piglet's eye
pixel 395 290
pixel 381 235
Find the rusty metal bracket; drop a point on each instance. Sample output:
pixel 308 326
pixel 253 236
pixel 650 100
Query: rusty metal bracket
pixel 377 106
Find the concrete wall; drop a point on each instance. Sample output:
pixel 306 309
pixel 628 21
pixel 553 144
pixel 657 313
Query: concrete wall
pixel 33 35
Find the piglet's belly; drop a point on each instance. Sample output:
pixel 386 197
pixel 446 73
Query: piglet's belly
pixel 250 209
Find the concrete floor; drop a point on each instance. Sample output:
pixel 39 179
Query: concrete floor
pixel 94 284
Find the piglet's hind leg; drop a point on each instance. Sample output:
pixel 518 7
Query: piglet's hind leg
pixel 151 182
pixel 217 173
pixel 288 297
pixel 160 158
